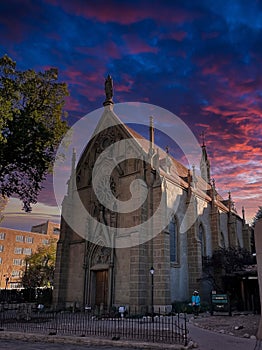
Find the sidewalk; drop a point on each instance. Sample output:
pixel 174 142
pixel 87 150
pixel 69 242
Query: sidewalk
pixel 34 337
pixel 239 324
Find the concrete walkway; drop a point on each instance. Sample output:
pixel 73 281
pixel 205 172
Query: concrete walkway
pixel 87 341
pixel 209 340
pixel 205 339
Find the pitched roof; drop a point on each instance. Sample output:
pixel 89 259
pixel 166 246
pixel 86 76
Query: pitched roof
pixel 177 173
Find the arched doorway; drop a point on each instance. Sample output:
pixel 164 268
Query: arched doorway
pixel 100 278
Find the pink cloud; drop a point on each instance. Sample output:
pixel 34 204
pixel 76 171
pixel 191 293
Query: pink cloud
pixel 72 104
pixel 234 151
pixel 176 35
pixel 213 68
pixel 80 86
pixel 125 13
pixel 123 88
pixel 110 49
pixel 136 45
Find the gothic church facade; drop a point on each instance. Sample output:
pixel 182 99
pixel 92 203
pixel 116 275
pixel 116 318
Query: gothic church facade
pixel 95 266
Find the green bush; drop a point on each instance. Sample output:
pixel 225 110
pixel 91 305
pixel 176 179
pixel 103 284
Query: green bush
pixel 182 307
pixel 186 307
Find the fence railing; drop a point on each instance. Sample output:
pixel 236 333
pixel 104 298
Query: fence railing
pixel 166 329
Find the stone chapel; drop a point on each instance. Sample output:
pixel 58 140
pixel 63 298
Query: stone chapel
pixel 97 266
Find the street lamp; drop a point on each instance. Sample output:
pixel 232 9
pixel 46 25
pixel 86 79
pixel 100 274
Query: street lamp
pixel 152 292
pixel 6 282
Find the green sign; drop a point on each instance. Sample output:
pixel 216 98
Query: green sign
pixel 219 299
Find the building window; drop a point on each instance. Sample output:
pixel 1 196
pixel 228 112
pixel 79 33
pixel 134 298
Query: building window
pixel 45 241
pixel 18 250
pixel 2 235
pixel 56 231
pixel 29 239
pixel 173 241
pixel 17 262
pixel 19 238
pixel 1 248
pixel 202 240
pixel 1 260
pixel 15 285
pixel 16 273
pixel 27 251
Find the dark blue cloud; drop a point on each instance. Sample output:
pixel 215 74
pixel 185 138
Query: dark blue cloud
pixel 199 59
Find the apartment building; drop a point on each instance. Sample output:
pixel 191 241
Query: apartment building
pixel 16 245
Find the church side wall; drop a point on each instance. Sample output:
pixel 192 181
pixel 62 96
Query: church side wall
pixel 179 274
pixel 223 218
pixel 239 233
pixel 122 277
pixel 203 218
pixel 75 285
pixel 61 270
pixel 176 202
pixel 206 246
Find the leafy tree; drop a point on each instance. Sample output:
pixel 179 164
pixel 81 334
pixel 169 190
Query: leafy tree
pixel 231 259
pixel 31 128
pixel 225 262
pixel 40 267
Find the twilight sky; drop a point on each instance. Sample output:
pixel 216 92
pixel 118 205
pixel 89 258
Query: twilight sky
pixel 201 60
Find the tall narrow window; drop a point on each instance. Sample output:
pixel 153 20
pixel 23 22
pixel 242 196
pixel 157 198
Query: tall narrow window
pixel 18 250
pixel 2 235
pixel 202 239
pixel 173 241
pixel 222 240
pixel 19 238
pixel 29 239
pixel 17 262
pixel 27 251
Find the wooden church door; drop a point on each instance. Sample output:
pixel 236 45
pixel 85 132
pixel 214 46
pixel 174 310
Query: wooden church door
pixel 101 287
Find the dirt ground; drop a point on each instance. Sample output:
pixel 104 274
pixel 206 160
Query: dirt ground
pixel 240 325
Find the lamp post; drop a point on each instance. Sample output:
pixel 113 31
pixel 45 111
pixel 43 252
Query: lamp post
pixel 152 292
pixel 6 281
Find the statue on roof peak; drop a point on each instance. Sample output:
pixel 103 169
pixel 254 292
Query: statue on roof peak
pixel 108 91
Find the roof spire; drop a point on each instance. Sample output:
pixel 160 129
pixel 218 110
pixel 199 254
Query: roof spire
pixel 204 163
pixel 203 134
pixel 151 138
pixel 243 214
pixel 231 204
pixel 213 187
pixel 108 91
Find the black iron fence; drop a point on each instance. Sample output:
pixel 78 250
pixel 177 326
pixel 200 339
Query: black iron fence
pixel 26 318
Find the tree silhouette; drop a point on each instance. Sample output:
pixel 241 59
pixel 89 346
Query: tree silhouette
pixel 31 128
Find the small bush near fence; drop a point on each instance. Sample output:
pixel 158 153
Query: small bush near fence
pixel 26 295
pixel 186 307
pixel 182 307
